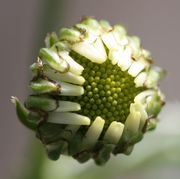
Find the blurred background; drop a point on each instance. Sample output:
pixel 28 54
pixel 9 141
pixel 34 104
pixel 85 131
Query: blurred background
pixel 23 26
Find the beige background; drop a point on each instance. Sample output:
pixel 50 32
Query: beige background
pixel 156 22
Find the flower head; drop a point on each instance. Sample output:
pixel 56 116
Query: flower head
pixel 94 92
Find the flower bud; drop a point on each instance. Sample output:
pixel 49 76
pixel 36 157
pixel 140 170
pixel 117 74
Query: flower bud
pixel 94 92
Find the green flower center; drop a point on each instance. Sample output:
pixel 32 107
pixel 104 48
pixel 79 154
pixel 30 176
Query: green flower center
pixel 108 91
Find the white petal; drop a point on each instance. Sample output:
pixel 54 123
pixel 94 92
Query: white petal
pixel 155 74
pixel 144 116
pixel 109 40
pixel 93 132
pixel 141 97
pixel 70 89
pixel 95 51
pixel 65 77
pixel 119 34
pixel 136 68
pixel 70 35
pixel 125 59
pixel 135 44
pixel 114 132
pixel 65 106
pixel 75 67
pixel 146 54
pixel 121 40
pixel 44 86
pixel 105 25
pixel 91 34
pixel 53 60
pixel 140 79
pixel 68 118
pixel 115 55
pixel 120 30
pixel 132 122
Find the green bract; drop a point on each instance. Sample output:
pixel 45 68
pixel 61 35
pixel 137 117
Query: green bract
pixel 94 92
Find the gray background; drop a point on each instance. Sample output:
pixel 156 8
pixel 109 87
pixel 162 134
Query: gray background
pixel 156 22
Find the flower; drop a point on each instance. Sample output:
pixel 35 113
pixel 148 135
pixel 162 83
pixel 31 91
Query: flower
pixel 94 92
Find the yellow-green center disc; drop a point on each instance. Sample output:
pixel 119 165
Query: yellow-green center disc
pixel 108 91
